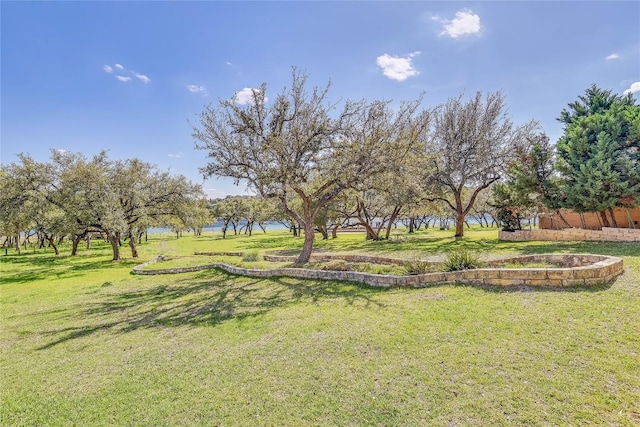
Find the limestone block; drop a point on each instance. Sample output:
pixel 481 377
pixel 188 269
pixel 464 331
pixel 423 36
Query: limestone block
pixel 559 273
pixel 543 282
pixel 497 282
pixel 519 273
pixel 470 275
pixel 572 282
pixel 433 278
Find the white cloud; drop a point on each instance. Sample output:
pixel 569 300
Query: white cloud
pixel 612 56
pixel 465 22
pixel 142 77
pixel 229 63
pixel 635 87
pixel 177 155
pixel 397 67
pixel 109 69
pixel 60 150
pixel 245 96
pixel 198 89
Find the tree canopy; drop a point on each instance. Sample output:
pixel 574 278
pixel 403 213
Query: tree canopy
pixel 304 145
pixel 472 142
pixel 75 196
pixel 599 153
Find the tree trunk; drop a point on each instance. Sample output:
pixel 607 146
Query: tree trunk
pixel 307 247
pixel 460 214
pixel 324 231
pixel 426 221
pixel 18 243
pixel 394 216
pixel 371 233
pixel 613 218
pixel 53 244
pixel 132 245
pixel 114 240
pixel 459 224
pixel 334 232
pixel 412 224
pixel 74 245
pixel 605 220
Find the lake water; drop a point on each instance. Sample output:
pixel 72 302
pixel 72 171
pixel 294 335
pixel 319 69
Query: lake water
pixel 218 227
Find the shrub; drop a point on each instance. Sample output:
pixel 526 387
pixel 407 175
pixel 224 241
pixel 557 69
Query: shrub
pixel 461 259
pixel 252 256
pixel 417 266
pixel 335 265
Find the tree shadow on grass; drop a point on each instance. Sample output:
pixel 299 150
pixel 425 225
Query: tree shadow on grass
pixel 429 244
pixel 440 245
pixel 207 299
pixel 539 289
pixel 274 242
pixel 28 268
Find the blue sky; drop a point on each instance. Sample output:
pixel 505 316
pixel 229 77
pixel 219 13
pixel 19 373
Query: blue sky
pixel 129 76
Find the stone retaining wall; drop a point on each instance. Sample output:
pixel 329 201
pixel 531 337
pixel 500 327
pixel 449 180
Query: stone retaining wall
pixel 592 270
pixel 345 257
pixel 607 234
pixel 139 269
pixel 317 257
pixel 220 253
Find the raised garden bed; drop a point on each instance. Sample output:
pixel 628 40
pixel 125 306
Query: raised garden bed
pixel 573 270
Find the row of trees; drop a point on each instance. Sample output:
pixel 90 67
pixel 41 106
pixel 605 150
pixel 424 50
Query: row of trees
pixel 594 167
pixel 316 159
pixel 75 197
pixel 315 166
pixel 243 213
pixel 369 211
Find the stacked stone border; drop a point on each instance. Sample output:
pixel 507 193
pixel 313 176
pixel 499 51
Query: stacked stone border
pixel 345 257
pixel 607 234
pixel 576 270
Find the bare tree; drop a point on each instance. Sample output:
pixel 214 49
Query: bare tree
pixel 472 142
pixel 300 144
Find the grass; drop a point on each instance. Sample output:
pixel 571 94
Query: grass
pixel 180 261
pixel 341 265
pixel 85 342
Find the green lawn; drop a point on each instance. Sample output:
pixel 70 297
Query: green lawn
pixel 85 342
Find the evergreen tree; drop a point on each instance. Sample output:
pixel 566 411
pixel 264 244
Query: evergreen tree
pixel 530 184
pixel 598 155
